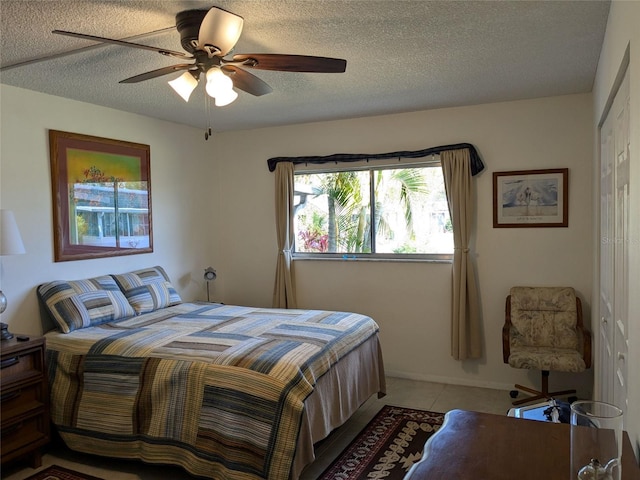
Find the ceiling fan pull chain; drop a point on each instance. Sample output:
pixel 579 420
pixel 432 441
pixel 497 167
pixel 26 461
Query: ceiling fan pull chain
pixel 208 112
pixel 207 132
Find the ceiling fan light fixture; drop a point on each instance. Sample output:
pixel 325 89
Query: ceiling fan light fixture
pixel 220 29
pixel 184 85
pixel 218 84
pixel 226 98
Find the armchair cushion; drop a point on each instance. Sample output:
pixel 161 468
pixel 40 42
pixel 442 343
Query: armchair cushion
pixel 546 358
pixel 544 317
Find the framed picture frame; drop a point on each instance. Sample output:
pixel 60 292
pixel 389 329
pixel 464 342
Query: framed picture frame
pixel 101 192
pixel 531 198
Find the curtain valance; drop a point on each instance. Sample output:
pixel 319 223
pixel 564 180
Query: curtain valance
pixel 476 162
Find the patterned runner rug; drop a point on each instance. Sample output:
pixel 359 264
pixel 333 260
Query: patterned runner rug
pixel 387 447
pixel 54 472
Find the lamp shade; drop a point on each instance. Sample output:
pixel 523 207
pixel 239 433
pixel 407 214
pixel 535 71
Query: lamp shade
pixel 10 239
pixel 220 87
pixel 209 274
pixel 217 82
pixel 220 29
pixel 225 98
pixel 184 85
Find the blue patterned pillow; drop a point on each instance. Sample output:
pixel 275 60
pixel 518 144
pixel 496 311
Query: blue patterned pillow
pixel 148 289
pixel 84 303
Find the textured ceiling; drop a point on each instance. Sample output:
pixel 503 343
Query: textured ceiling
pixel 401 55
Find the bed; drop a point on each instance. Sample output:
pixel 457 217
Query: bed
pixel 224 391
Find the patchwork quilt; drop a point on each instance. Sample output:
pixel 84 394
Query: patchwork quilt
pixel 217 389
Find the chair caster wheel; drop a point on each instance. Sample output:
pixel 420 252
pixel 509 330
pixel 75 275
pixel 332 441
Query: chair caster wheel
pixel 513 393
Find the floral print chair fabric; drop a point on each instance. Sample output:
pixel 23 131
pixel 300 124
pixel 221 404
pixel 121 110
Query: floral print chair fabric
pixel 544 331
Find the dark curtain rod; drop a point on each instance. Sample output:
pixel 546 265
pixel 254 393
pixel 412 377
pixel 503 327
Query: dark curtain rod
pixel 476 162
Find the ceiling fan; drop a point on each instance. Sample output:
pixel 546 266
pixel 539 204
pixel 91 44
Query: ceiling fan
pixel 208 36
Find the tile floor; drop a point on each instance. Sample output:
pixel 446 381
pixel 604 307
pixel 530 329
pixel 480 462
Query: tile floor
pixel 436 397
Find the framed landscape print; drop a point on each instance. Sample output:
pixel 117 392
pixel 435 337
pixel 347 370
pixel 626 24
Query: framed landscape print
pixel 101 197
pixel 531 198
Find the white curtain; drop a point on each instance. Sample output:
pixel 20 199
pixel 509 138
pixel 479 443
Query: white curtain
pixel 284 295
pixel 466 342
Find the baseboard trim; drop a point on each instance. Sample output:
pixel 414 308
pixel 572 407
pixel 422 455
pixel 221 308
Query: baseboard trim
pixel 450 380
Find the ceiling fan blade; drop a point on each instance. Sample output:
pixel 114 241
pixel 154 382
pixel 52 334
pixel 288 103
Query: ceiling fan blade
pixel 163 51
pixel 247 81
pixel 220 29
pixel 292 63
pixel 78 50
pixel 158 73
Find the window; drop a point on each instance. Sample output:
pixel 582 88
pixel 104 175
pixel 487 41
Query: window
pixel 373 212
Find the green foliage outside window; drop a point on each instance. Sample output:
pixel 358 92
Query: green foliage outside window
pixel 372 211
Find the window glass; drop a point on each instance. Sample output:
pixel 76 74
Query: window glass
pixel 375 211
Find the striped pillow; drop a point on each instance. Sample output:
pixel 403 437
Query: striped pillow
pixel 84 303
pixel 148 289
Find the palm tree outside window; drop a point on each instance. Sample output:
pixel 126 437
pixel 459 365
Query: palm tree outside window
pixel 373 212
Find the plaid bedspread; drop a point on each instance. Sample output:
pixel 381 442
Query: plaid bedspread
pixel 217 389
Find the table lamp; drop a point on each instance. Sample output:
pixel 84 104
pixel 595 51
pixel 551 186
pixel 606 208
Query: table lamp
pixel 10 244
pixel 209 275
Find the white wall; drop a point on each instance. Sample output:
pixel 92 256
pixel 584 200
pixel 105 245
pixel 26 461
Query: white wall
pixel 622 32
pixel 411 301
pixel 182 166
pixel 213 203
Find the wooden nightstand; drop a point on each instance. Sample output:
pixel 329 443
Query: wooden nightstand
pixel 25 399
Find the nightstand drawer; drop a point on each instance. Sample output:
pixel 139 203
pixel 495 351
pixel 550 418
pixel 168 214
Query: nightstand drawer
pixel 17 403
pixel 25 435
pixel 21 366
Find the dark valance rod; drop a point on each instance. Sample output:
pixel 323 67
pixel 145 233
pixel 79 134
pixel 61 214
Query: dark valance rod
pixel 476 162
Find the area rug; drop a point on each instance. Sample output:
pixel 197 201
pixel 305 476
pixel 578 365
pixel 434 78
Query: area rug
pixel 387 447
pixel 54 472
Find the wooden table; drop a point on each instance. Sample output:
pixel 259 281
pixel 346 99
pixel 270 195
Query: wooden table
pixel 482 446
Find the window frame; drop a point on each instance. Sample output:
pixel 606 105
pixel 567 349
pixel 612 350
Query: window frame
pixel 431 162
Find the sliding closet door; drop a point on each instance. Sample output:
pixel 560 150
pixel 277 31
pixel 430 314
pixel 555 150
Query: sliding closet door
pixel 614 250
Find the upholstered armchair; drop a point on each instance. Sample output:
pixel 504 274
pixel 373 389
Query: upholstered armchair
pixel 544 330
